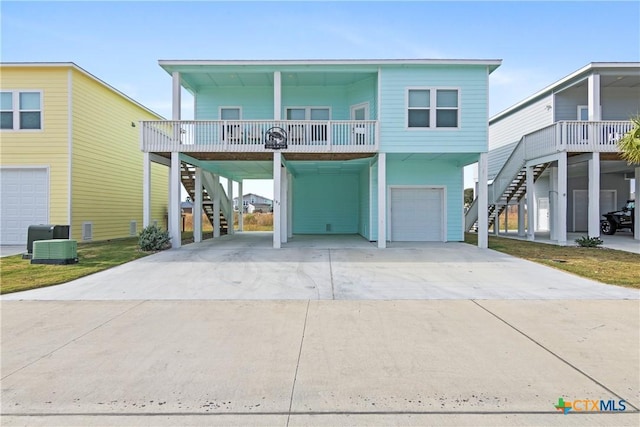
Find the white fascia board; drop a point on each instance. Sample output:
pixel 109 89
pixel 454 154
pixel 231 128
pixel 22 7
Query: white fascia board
pixel 490 62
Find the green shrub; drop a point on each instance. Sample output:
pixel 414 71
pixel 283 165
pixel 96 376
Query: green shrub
pixel 153 238
pixel 589 242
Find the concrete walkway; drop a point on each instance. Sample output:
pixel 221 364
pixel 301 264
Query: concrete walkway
pixel 621 241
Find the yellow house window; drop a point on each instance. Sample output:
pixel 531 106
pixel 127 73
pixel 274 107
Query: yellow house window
pixel 20 110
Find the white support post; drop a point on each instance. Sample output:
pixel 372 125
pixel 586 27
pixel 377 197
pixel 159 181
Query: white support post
pixel 240 207
pixel 277 95
pixel 174 202
pixel 284 185
pixel 561 218
pixel 531 205
pixel 521 212
pixel 176 104
pixel 483 202
pixel 197 207
pixel 506 219
pixel 496 223
pixel 636 228
pixel 382 200
pixel 553 202
pixel 230 226
pixel 146 190
pixel 594 195
pixel 594 97
pixel 216 205
pixel 289 206
pixel 277 185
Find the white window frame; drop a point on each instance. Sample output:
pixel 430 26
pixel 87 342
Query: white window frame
pixel 433 108
pixel 307 111
pixel 15 109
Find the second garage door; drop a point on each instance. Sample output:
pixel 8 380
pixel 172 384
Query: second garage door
pixel 25 202
pixel 417 214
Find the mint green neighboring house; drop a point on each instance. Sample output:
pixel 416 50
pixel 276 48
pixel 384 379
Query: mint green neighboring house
pixel 369 147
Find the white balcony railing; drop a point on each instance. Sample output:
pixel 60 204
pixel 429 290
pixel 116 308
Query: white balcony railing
pixel 576 136
pixel 249 135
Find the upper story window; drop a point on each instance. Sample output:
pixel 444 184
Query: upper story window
pixel 308 113
pixel 230 113
pixel 432 108
pixel 20 110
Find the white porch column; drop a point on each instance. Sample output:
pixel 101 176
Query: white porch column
pixel 496 223
pixel 531 205
pixel 483 202
pixel 594 97
pixel 382 200
pixel 521 212
pixel 174 201
pixel 594 195
pixel 289 206
pixel 553 201
pixel 175 111
pixel 284 199
pixel 240 207
pixel 506 219
pixel 146 190
pixel 277 185
pixel 216 205
pixel 197 207
pixel 636 229
pixel 230 227
pixel 277 95
pixel 561 218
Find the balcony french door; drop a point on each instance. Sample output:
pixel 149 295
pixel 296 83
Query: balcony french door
pixel 315 133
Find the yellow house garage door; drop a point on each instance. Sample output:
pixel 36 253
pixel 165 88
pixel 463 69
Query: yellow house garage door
pixel 417 214
pixel 25 202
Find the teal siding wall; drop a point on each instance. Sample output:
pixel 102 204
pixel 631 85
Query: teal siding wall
pixel 471 136
pixel 433 172
pixel 256 102
pixel 364 91
pixel 364 228
pixel 319 200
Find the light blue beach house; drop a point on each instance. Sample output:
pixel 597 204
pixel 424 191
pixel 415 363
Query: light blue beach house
pixel 374 148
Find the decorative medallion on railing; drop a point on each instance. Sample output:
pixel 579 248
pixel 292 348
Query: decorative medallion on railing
pixel 275 138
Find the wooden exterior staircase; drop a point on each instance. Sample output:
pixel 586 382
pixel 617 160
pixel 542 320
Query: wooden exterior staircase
pixel 188 178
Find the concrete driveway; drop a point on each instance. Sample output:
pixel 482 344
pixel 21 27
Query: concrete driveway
pixel 338 333
pixel 245 267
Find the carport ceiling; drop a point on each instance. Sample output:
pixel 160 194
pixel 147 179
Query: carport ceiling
pixel 328 167
pixel 239 170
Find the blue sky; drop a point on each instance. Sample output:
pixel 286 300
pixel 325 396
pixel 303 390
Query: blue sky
pixel 121 42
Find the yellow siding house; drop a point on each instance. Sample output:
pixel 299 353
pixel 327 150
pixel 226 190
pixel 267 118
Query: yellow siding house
pixel 70 155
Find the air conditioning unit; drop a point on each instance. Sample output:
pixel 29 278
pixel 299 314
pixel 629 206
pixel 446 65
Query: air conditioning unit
pixel 55 251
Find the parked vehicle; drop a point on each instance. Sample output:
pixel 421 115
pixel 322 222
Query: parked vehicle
pixel 619 220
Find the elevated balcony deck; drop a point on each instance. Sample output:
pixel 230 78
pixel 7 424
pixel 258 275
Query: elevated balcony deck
pixel 576 137
pixel 251 136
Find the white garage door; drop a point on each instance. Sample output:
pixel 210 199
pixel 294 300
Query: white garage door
pixel 25 202
pixel 417 214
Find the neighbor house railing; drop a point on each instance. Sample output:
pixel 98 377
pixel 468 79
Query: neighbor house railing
pixel 250 135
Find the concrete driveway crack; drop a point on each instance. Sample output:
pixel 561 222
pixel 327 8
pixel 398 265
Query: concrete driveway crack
pixel 73 340
pixel 333 295
pixel 554 354
pixel 295 376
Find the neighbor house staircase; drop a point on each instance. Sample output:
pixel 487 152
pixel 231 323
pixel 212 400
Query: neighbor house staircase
pixel 510 184
pixel 188 177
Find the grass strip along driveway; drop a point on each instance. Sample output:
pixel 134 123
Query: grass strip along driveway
pixel 600 264
pixel 17 274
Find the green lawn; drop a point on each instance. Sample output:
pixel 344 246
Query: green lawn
pixel 601 264
pixel 17 274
